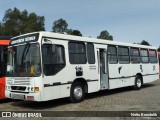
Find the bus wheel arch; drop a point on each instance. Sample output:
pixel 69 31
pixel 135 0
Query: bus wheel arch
pixel 78 89
pixel 138 81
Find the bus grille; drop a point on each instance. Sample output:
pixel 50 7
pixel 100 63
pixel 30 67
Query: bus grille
pixel 17 96
pixel 22 81
pixel 18 88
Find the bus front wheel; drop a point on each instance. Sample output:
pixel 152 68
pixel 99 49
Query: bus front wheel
pixel 138 83
pixel 77 92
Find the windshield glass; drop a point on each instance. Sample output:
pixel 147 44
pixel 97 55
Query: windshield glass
pixel 24 61
pixel 3 59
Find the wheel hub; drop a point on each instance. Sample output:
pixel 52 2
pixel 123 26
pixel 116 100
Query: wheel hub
pixel 78 92
pixel 139 83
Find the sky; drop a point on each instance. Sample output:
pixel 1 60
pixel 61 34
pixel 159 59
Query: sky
pixel 126 20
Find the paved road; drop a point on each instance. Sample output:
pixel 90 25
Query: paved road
pixel 123 99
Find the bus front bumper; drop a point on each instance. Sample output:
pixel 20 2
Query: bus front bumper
pixel 23 96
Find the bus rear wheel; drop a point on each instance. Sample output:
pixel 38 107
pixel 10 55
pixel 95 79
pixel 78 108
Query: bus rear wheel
pixel 138 83
pixel 77 92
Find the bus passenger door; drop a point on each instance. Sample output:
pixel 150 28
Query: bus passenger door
pixel 103 66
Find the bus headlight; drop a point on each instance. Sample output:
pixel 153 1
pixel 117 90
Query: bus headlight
pixel 36 89
pixel 32 89
pixel 28 88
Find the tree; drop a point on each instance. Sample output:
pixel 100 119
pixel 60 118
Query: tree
pixel 1 29
pixel 105 35
pixel 145 43
pixel 11 22
pixel 60 26
pixel 16 22
pixel 38 23
pixel 74 32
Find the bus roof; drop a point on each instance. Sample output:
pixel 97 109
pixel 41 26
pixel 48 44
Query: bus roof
pixel 85 39
pixel 4 40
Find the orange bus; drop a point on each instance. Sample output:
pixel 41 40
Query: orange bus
pixel 4 42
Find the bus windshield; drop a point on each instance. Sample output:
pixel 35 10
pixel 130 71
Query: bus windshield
pixel 3 59
pixel 24 61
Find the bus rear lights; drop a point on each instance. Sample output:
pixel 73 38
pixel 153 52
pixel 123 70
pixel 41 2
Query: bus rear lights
pixel 30 98
pixel 36 89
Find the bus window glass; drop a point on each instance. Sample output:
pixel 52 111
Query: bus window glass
pixel 3 59
pixel 77 53
pixel 53 62
pixel 144 56
pixel 123 55
pixel 152 56
pixel 10 60
pixel 134 55
pixel 90 53
pixel 24 61
pixel 112 54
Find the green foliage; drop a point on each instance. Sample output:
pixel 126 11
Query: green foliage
pixel 16 22
pixel 60 26
pixel 144 42
pixel 105 35
pixel 74 32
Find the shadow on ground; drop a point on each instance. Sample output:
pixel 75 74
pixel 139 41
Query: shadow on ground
pixel 64 101
pixel 6 100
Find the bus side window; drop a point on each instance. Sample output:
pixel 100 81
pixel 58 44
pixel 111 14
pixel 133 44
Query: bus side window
pixel 144 55
pixel 134 55
pixel 153 56
pixel 112 55
pixel 53 62
pixel 90 53
pixel 77 53
pixel 123 55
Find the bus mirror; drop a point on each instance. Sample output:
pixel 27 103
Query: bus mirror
pixel 53 48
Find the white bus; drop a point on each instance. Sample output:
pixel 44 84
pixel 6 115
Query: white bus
pixel 45 66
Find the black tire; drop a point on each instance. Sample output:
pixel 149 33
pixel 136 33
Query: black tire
pixel 138 83
pixel 77 92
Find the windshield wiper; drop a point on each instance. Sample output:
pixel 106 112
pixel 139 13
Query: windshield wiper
pixel 25 52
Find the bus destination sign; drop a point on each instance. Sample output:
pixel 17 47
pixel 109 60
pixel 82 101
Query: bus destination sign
pixel 25 39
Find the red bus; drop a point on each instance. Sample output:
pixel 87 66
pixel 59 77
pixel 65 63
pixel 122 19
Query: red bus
pixel 4 42
pixel 159 61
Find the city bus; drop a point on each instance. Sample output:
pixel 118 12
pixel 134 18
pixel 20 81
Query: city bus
pixel 4 42
pixel 46 66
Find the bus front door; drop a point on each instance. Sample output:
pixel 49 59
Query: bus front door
pixel 103 65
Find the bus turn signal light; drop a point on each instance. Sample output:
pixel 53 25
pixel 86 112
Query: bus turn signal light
pixel 36 89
